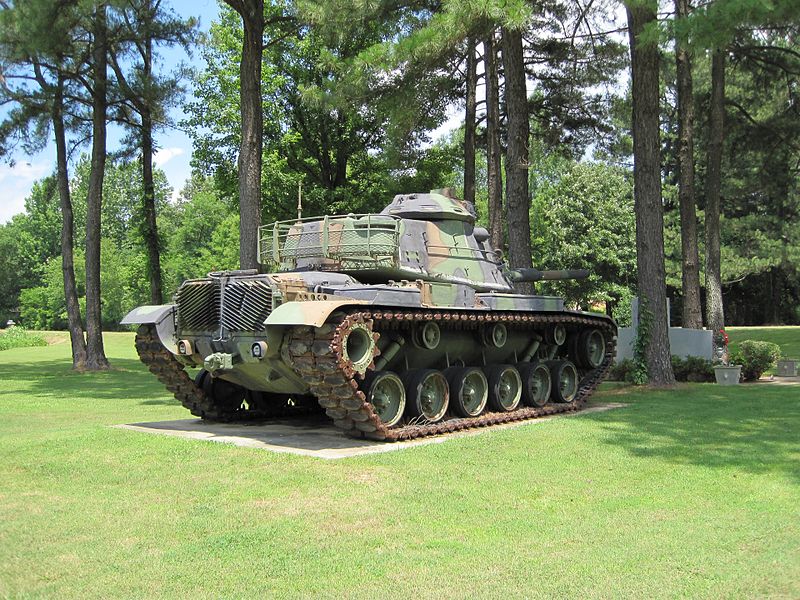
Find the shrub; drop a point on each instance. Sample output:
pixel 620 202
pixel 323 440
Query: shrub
pixel 19 337
pixel 692 368
pixel 628 371
pixel 755 357
pixel 619 371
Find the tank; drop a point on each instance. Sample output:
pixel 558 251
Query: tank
pixel 397 325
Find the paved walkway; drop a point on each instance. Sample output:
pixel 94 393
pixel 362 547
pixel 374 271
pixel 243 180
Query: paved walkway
pixel 316 437
pixel 778 380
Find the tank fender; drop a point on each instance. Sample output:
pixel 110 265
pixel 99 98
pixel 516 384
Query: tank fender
pixel 163 317
pixel 313 313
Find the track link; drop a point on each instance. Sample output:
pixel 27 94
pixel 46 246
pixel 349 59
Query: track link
pixel 317 355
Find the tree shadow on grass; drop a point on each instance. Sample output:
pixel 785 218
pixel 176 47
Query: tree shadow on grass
pixel 749 427
pixel 128 378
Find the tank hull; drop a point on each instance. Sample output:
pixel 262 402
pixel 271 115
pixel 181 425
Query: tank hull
pixel 300 361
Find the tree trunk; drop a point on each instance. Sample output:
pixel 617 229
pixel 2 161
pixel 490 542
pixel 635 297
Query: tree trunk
pixel 150 226
pixel 469 124
pixel 692 312
pixel 715 316
pixel 494 181
pixel 517 199
pixel 74 323
pixel 96 358
pixel 252 14
pixel 647 196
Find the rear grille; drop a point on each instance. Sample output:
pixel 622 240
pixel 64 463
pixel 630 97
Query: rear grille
pixel 244 305
pixel 198 305
pixel 247 305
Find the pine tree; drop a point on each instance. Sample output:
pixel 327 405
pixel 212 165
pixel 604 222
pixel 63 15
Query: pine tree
pixel 715 315
pixel 470 118
pixel 690 261
pixel 494 181
pixel 96 358
pixel 36 43
pixel 252 121
pixel 647 192
pixel 146 98
pixel 518 202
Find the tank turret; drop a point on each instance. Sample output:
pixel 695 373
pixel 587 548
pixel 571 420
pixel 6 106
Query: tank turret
pixel 397 324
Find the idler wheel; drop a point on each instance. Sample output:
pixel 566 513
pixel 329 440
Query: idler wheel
pixel 536 383
pixel 386 393
pixel 469 390
pixel 505 387
pixel 427 394
pixel 590 349
pixel 565 380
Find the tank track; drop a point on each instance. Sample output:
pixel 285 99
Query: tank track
pixel 169 371
pixel 317 355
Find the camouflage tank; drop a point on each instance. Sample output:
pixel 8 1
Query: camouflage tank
pixel 398 325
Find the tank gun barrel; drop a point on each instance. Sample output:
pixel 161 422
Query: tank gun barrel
pixel 537 275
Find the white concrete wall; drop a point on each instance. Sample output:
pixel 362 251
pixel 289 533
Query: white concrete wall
pixel 682 342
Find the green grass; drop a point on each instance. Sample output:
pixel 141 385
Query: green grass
pixel 19 337
pixel 694 493
pixel 788 338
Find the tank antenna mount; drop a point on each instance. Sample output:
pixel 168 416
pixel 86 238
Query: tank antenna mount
pixel 299 200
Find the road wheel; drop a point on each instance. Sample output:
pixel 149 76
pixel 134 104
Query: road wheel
pixel 536 383
pixel 565 379
pixel 469 390
pixel 386 393
pixel 427 394
pixel 589 349
pixel 505 387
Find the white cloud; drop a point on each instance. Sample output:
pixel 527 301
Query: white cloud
pixel 17 182
pixel 164 155
pixel 23 171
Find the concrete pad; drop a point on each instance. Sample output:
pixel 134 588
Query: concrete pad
pixel 778 380
pixel 315 437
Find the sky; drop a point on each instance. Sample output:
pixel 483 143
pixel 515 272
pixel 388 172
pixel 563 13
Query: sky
pixel 174 147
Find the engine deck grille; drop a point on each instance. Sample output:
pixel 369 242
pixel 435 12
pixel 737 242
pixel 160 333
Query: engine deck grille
pixel 198 305
pixel 248 302
pixel 241 304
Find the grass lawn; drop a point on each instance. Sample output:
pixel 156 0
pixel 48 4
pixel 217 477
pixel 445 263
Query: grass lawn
pixel 788 338
pixel 694 493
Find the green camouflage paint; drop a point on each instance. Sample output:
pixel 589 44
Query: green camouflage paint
pixel 423 251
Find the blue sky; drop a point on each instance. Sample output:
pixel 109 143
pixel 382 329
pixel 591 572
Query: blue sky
pixel 175 147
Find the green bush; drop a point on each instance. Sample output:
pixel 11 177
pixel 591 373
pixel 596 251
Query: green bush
pixel 755 357
pixel 620 371
pixel 692 368
pixel 19 337
pixel 628 371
